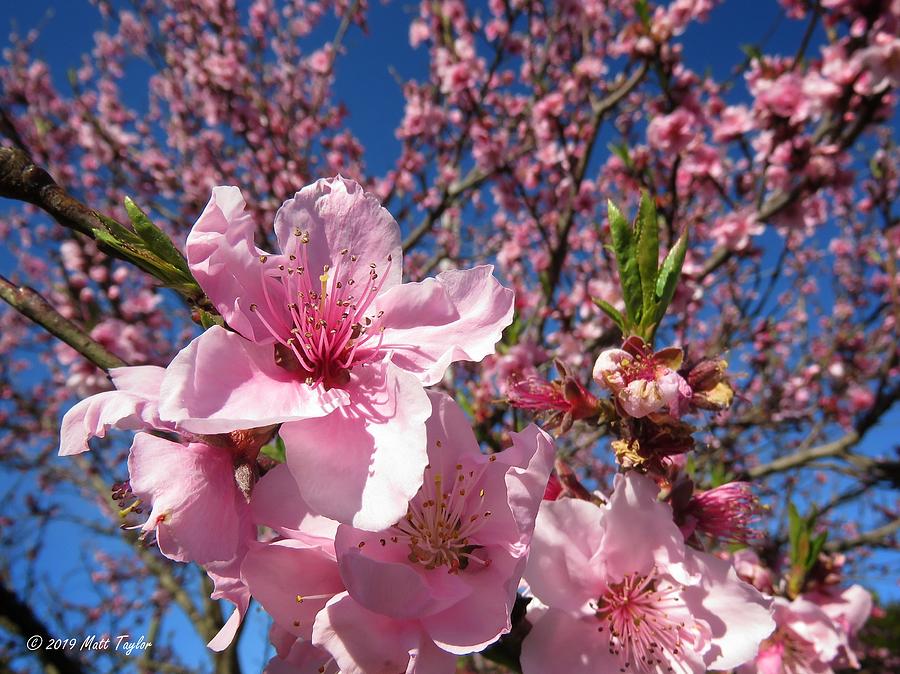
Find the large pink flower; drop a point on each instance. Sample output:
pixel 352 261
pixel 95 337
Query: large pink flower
pixel 454 561
pixel 329 343
pixel 624 592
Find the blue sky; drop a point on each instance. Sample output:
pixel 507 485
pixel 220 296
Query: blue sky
pixel 367 87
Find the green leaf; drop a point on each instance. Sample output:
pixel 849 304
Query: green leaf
pixel 752 52
pixel 669 273
pixel 621 151
pixel 629 276
pixel 647 228
pixel 117 230
pixel 612 312
pixel 815 548
pixel 156 240
pixel 275 450
pixel 207 320
pixel 796 527
pixel 643 11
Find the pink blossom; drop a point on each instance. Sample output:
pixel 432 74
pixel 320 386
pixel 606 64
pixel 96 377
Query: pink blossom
pixel 623 591
pixel 734 231
pixel 673 132
pixel 727 513
pixel 735 121
pixel 453 563
pixel 329 343
pixel 751 570
pixel 198 511
pixel 563 402
pixel 805 641
pixel 881 62
pixel 643 382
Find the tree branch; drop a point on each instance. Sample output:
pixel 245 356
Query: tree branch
pixel 874 538
pixel 31 304
pixel 18 618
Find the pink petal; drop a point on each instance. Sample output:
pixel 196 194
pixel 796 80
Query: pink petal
pixel 460 315
pixel 228 586
pixel 640 533
pixel 529 461
pixel 478 620
pixel 131 407
pixel 739 616
pixel 222 382
pixel 277 503
pixel 363 642
pixel 812 624
pixel 226 263
pixel 561 644
pixel 277 573
pixel 850 609
pixel 606 369
pixel 302 658
pixel 196 504
pixel 389 588
pixel 361 464
pixel 429 659
pixel 562 571
pixel 338 214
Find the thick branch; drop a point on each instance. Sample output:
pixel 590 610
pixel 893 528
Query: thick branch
pixel 18 618
pixel 22 180
pixel 803 457
pixel 29 303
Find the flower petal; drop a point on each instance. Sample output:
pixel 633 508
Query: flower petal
pixel 221 382
pixel 479 619
pixel 459 315
pixel 196 505
pixel 739 617
pixel 363 642
pixel 561 644
pixel 226 263
pixel 287 577
pixel 640 532
pixel 567 536
pixel 277 503
pixel 338 214
pixel 429 659
pixel 362 463
pixel 131 407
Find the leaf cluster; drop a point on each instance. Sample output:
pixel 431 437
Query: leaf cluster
pixel 647 286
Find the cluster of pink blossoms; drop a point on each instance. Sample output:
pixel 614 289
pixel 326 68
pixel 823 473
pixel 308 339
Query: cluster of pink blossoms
pixel 387 541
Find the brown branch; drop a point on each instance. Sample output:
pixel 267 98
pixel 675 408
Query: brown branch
pixel 22 180
pixel 801 458
pixel 18 618
pixel 31 304
pixel 879 537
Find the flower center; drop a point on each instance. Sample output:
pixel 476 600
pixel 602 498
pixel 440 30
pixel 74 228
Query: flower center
pixel 636 368
pixel 798 656
pixel 646 622
pixel 442 519
pixel 324 327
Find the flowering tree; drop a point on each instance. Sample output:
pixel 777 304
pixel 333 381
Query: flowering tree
pixel 590 380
